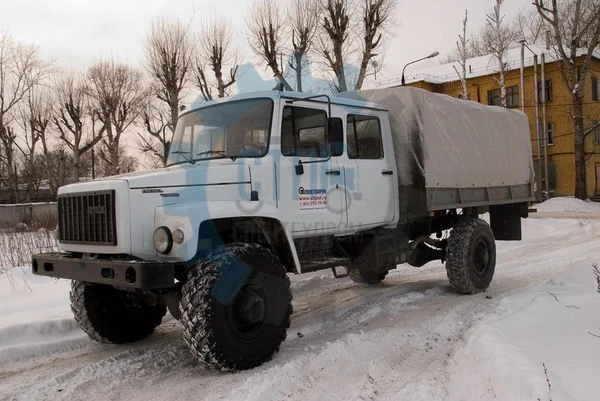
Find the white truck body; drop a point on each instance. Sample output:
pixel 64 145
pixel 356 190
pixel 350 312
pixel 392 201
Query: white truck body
pixel 264 184
pixel 427 141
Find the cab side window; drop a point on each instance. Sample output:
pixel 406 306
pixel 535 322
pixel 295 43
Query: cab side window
pixel 303 132
pixel 364 137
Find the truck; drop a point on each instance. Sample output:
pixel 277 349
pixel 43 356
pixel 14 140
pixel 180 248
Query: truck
pixel 258 186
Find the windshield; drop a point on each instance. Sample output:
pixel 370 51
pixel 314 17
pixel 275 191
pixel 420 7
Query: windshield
pixel 226 130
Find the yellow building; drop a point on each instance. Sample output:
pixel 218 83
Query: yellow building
pixel 482 81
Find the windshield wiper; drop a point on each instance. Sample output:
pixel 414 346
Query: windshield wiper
pixel 216 152
pixel 185 156
pixel 210 152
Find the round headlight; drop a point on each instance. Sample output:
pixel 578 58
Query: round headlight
pixel 178 236
pixel 163 240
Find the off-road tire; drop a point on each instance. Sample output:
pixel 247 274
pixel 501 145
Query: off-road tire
pixel 471 256
pixel 211 301
pixel 108 316
pixel 362 267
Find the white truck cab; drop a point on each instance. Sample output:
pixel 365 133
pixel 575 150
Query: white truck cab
pixel 264 184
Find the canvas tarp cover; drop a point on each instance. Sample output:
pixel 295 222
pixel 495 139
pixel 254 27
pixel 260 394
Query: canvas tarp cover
pixel 443 142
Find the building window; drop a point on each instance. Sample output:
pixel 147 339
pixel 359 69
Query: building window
pixel 597 135
pixel 494 97
pixel 303 132
pixel 595 88
pixel 550 127
pixel 364 137
pixel 549 97
pixel 512 96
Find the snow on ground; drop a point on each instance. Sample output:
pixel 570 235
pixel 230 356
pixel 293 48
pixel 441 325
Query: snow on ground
pixel 411 338
pixel 553 326
pixel 567 204
pixel 35 318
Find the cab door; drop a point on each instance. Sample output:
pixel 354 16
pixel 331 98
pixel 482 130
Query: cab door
pixel 309 180
pixel 369 171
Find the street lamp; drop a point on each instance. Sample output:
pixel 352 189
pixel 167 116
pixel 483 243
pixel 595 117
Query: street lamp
pixel 432 55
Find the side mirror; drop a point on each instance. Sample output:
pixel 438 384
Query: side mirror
pixel 336 136
pixel 167 145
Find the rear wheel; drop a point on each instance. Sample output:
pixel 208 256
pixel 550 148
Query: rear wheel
pixel 236 307
pixel 471 256
pixel 112 316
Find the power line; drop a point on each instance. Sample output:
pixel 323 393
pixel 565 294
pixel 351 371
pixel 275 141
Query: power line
pixel 560 104
pixel 557 136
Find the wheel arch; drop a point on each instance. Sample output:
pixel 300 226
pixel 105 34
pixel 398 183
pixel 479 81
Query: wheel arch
pixel 212 225
pixel 267 231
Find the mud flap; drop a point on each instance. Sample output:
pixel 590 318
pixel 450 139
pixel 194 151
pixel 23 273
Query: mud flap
pixel 505 221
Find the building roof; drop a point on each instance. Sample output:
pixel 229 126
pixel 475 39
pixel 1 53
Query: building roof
pixel 481 66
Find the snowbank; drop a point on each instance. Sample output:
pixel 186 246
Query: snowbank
pixel 568 204
pixel 35 317
pixel 555 326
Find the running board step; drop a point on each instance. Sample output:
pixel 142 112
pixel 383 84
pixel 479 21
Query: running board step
pixel 312 263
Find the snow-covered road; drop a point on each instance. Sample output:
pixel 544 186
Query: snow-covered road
pixel 411 338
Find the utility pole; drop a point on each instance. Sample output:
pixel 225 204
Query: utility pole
pixel 93 164
pixel 545 124
pixel 537 120
pixel 522 75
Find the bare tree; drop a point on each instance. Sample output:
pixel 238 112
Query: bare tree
pixel 57 165
pixel 497 38
pixel 462 51
pixel 377 18
pixel 336 28
pixel 474 48
pixel 35 119
pixel 118 98
pixel 303 17
pixel 217 51
pixel 156 142
pixel 169 50
pixel 127 164
pixel 8 138
pixel 575 25
pixel 21 68
pixel 267 35
pixel 78 126
pixel 529 25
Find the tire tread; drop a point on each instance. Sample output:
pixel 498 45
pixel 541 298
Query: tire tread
pixel 197 310
pixel 106 318
pixel 457 252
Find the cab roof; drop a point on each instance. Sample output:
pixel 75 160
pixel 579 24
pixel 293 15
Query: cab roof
pixel 276 95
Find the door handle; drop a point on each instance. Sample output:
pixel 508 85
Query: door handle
pixel 333 172
pixel 299 168
pixel 387 172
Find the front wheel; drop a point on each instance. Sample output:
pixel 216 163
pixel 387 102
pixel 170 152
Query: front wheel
pixel 112 316
pixel 471 256
pixel 236 307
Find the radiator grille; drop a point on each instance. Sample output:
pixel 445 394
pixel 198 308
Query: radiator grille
pixel 87 218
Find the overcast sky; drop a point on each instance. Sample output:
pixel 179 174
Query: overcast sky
pixel 77 32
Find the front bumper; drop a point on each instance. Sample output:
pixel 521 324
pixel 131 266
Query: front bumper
pixel 116 272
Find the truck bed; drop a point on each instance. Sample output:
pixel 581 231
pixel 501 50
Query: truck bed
pixel 452 153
